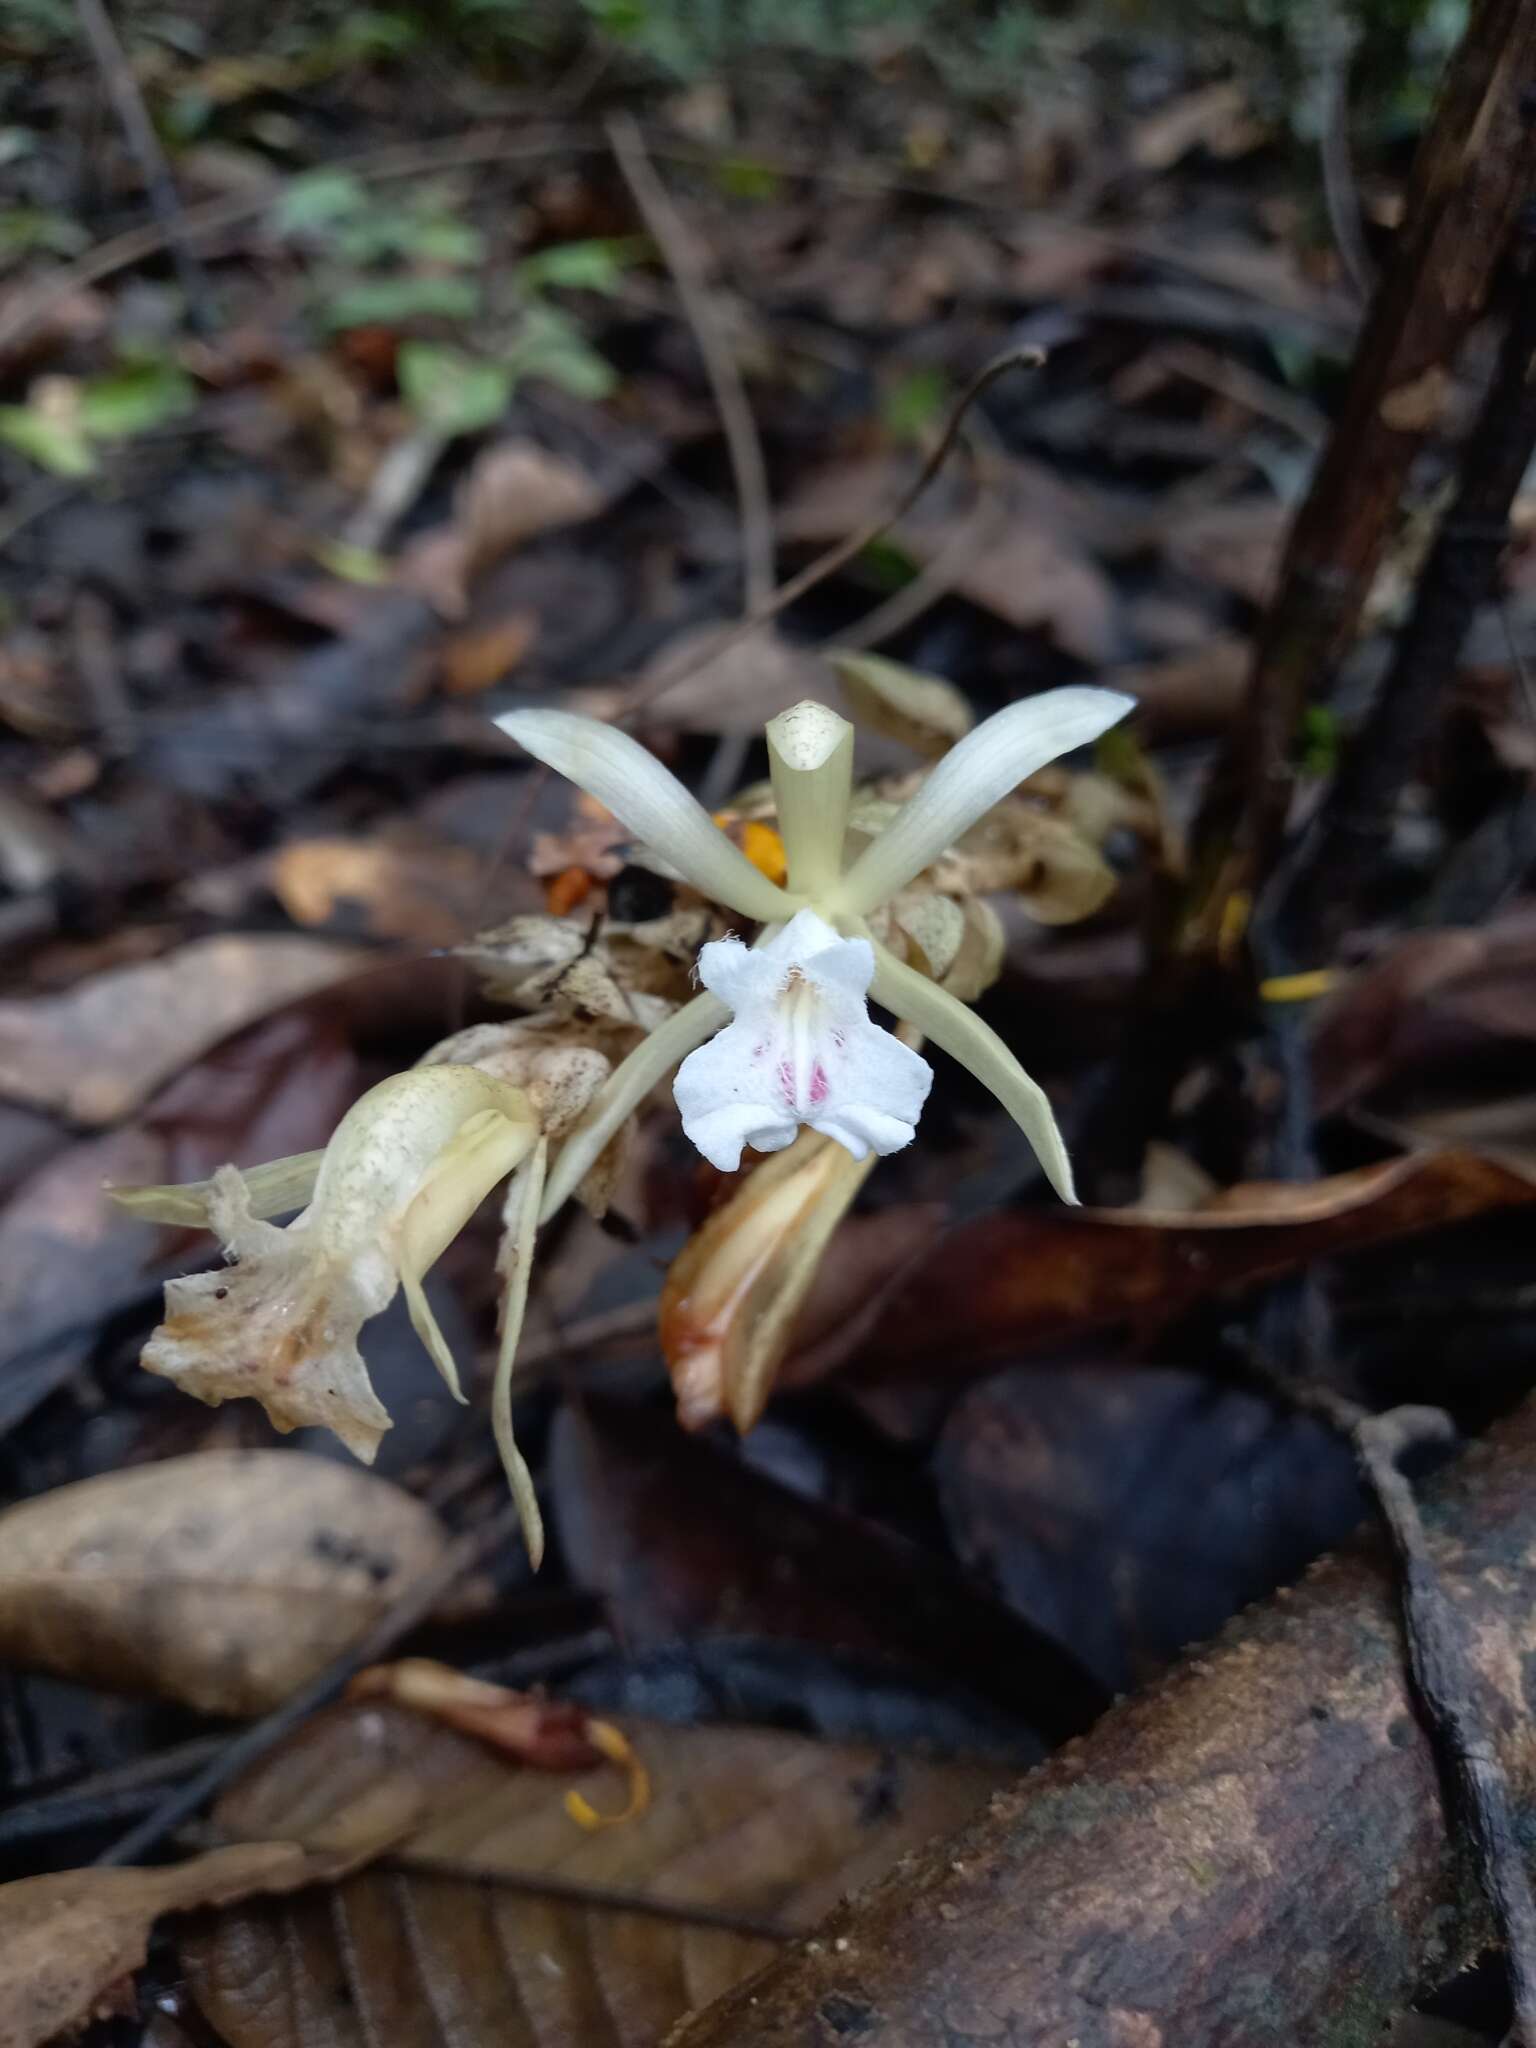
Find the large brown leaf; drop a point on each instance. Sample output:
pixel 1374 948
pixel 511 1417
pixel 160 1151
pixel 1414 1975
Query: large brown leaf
pixel 68 1940
pixel 1025 1278
pixel 98 1051
pixel 223 1579
pixel 769 1827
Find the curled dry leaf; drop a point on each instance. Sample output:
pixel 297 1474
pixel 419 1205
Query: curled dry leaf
pixel 548 1734
pixel 923 712
pixel 221 1580
pixel 732 1294
pixel 474 1937
pixel 71 1937
pixel 98 1051
pixel 1008 1284
pixel 515 491
pixel 427 895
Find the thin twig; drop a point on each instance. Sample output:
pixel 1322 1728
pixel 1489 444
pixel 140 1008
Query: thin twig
pixel 1443 1676
pixel 683 260
pixel 413 1606
pixel 111 61
pixel 596 1897
pixel 836 557
pixel 1340 194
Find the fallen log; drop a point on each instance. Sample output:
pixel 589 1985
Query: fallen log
pixel 1254 1851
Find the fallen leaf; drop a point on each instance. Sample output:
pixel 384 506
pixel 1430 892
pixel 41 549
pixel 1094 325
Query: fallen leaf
pixel 514 491
pixel 1418 406
pixel 749 681
pixel 1236 546
pixel 1190 694
pixel 753 1558
pixel 1429 998
pixel 923 712
pixel 423 894
pixel 1017 1281
pixel 550 1735
pixel 1215 117
pixel 476 658
pixel 1029 565
pixel 223 1579
pixel 1046 1479
pixel 72 1936
pixel 99 1050
pixel 769 1827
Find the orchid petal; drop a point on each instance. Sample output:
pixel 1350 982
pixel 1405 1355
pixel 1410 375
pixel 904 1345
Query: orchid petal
pixel 624 1091
pixel 487 1148
pixel 647 798
pixel 974 775
pixel 280 1185
pixel 957 1030
pixel 801 1049
pixel 520 1219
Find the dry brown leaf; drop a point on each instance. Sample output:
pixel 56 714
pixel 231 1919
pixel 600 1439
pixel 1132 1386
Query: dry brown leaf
pixel 70 1939
pixel 1418 406
pixel 98 1051
pixel 515 491
pixel 923 712
pixel 748 1821
pixel 747 683
pixel 548 1734
pixel 1236 546
pixel 1193 692
pixel 732 1295
pixel 428 895
pixel 478 657
pixel 1216 117
pixel 1428 993
pixel 223 1579
pixel 1012 1283
pixel 1028 567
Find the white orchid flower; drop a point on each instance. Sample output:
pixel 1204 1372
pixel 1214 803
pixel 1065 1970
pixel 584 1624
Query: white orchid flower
pixel 791 1041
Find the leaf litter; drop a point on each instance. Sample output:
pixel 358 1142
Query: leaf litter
pixel 447 449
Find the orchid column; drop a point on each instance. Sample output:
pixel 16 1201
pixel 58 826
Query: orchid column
pixel 792 1042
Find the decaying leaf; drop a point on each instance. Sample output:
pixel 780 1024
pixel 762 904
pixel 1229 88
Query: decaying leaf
pixel 921 711
pixel 548 1734
pixel 222 1580
pixel 427 895
pixel 773 1828
pixel 1011 1283
pixel 71 1938
pixel 732 1294
pixel 98 1051
pixel 748 682
pixel 514 491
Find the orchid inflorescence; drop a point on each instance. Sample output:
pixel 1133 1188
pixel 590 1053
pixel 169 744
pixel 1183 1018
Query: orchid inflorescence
pixel 778 1038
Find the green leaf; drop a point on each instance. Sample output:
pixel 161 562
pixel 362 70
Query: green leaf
pixel 134 399
pixel 392 301
pixel 739 177
pixel 553 347
pixel 914 403
pixel 24 229
pixel 351 563
pixel 595 266
pixel 59 445
pixel 449 391
pixel 318 200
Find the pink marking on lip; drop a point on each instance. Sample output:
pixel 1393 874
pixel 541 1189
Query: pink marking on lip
pixel 818 1085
